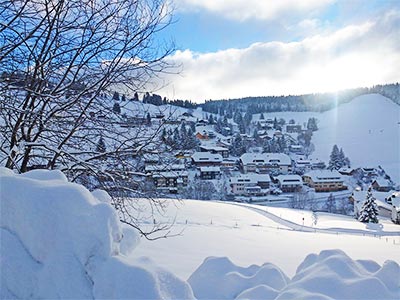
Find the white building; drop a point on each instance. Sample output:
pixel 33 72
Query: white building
pixel 289 183
pixel 266 163
pixel 202 159
pixel 250 184
pixel 324 180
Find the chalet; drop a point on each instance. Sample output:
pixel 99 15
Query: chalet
pixel 289 183
pixel 278 134
pixel 381 185
pixel 202 123
pixel 204 159
pixel 317 165
pixel 184 154
pixel 170 182
pixel 228 164
pixel 292 128
pixel 358 198
pixel 303 164
pixel 297 149
pixel 324 181
pixel 151 159
pixel 347 171
pixel 202 136
pixel 209 172
pixel 224 152
pixel 250 184
pixel 265 163
pixel 369 172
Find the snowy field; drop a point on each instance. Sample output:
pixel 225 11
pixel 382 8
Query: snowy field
pixel 246 235
pixel 367 128
pixel 59 240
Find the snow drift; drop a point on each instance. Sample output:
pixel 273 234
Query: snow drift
pixel 330 275
pixel 58 240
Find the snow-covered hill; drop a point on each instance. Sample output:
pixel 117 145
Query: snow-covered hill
pixel 367 128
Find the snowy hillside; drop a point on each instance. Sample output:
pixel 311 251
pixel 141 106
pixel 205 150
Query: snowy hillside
pixel 367 128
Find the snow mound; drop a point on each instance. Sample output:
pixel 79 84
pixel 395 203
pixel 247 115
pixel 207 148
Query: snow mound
pixel 219 278
pixel 329 275
pixel 58 240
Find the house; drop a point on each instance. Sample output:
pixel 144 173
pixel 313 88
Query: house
pixel 289 183
pixel 184 154
pixel 303 164
pixel 224 152
pixel 228 164
pixel 358 198
pixel 170 182
pixel 347 171
pixel 265 163
pixel 210 172
pixel 297 149
pixel 381 185
pixel 292 128
pixel 202 136
pixel 369 172
pixel 204 159
pixel 324 180
pixel 250 185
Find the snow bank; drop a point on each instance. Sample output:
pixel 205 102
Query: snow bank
pixel 58 240
pixel 330 275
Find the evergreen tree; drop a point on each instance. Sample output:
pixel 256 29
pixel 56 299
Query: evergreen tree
pixel 116 108
pixel 369 210
pixel 238 147
pixel 123 98
pixel 262 116
pixel 335 162
pixel 135 97
pixel 101 145
pixel 312 124
pixel 116 96
pixel 330 204
pixel 276 126
pixel 148 119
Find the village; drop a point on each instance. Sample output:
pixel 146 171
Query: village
pixel 228 165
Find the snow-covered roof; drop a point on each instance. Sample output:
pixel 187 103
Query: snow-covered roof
pixel 213 148
pixel 250 178
pixel 171 174
pixel 289 179
pixel 382 182
pixel 265 158
pixel 206 157
pixel 324 176
pixel 210 169
pixel 154 168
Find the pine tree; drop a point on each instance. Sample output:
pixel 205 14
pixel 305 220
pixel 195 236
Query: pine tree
pixel 116 96
pixel 262 116
pixel 148 119
pixel 335 161
pixel 116 108
pixel 369 210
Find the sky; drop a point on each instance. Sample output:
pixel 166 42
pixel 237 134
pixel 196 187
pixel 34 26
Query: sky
pixel 239 48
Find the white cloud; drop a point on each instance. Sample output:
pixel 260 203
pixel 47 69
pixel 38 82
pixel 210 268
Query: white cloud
pixel 252 9
pixel 357 55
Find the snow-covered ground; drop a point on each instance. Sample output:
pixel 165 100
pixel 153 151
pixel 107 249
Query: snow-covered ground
pixel 248 236
pixel 59 240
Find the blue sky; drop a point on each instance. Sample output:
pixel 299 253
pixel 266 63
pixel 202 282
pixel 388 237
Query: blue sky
pixel 243 48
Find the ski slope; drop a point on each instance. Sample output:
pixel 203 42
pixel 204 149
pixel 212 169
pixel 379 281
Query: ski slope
pixel 367 128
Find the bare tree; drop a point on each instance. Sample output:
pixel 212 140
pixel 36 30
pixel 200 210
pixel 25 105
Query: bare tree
pixel 60 63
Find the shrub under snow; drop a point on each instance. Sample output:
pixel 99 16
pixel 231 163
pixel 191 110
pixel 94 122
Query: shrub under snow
pixel 58 240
